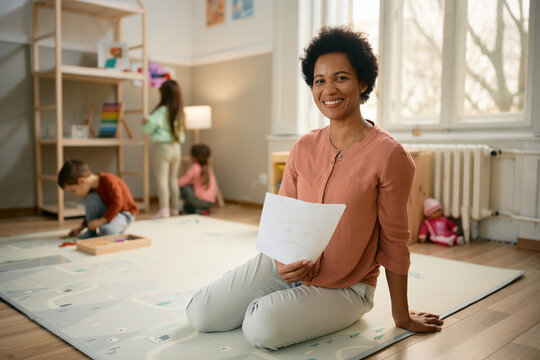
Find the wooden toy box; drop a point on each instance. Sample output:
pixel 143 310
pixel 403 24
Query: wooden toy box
pixel 112 243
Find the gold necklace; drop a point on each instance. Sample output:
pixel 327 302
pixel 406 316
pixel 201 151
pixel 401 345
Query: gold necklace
pixel 350 144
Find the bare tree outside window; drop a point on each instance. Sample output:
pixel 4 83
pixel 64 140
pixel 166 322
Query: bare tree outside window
pixel 366 19
pixel 421 67
pixel 496 56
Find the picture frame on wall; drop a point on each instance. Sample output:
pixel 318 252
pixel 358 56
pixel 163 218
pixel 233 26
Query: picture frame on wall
pixel 113 55
pixel 242 9
pixel 215 12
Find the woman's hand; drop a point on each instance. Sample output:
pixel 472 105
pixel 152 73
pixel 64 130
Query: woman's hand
pixel 405 319
pixel 295 271
pixel 421 322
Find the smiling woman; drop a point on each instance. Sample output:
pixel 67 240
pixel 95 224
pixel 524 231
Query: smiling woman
pixel 352 162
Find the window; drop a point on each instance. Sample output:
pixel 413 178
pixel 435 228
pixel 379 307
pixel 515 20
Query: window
pixel 366 18
pixel 443 65
pixel 454 64
pixel 496 54
pixel 421 63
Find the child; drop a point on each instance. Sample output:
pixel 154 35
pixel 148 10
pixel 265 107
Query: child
pixel 439 228
pixel 165 125
pixel 109 206
pixel 198 186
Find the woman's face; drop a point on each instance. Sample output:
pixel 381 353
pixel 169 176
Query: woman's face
pixel 336 89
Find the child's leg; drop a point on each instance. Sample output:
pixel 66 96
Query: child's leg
pixel 188 208
pixel 192 202
pixel 221 306
pixel 458 240
pixel 173 176
pixel 95 208
pixel 187 193
pixel 201 205
pixel 161 172
pixel 118 225
pixel 302 313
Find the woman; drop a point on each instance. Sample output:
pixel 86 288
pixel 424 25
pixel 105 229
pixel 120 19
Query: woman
pixel 352 161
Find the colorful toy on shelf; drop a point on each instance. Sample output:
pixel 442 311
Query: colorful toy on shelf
pixel 157 74
pixel 110 114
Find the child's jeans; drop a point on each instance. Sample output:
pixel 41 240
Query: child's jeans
pixel 95 208
pixel 192 204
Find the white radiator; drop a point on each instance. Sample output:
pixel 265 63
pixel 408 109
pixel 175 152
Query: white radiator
pixel 461 180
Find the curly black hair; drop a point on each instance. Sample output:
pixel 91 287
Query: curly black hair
pixel 345 40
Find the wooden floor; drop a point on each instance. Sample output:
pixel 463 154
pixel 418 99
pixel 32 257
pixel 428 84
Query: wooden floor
pixel 505 325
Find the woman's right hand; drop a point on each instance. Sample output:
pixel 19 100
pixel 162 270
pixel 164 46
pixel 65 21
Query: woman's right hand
pixel 295 271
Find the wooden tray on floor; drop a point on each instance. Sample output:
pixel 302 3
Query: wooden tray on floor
pixel 112 243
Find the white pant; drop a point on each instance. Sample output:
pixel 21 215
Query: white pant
pixel 166 162
pixel 272 312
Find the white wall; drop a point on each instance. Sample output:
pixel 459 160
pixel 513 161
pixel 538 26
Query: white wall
pixel 233 38
pixel 168 31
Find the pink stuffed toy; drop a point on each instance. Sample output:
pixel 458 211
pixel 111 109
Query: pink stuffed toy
pixel 436 227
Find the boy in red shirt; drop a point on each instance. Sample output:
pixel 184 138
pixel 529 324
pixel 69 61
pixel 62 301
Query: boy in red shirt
pixel 109 206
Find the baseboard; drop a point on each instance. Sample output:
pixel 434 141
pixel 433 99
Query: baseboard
pixel 243 203
pixel 528 244
pixel 17 212
pixel 29 211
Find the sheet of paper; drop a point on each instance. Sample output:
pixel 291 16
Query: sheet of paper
pixel 291 230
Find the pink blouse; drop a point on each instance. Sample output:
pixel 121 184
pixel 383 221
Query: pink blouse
pixel 373 178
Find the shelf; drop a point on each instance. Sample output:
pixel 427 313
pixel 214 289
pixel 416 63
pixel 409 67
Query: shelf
pixel 92 74
pixel 69 212
pixel 93 142
pixel 72 211
pixel 113 11
pixel 277 166
pixel 98 8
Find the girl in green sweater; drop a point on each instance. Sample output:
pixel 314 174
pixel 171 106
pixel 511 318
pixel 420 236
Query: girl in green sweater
pixel 165 126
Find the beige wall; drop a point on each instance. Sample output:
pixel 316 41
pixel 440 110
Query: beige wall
pixel 239 92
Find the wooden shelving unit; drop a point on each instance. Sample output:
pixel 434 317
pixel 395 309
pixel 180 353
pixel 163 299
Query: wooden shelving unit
pixel 115 12
pixel 277 165
pixel 82 73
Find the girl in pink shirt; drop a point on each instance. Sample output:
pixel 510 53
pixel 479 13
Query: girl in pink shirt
pixel 198 185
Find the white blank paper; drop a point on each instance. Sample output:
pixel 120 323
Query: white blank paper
pixel 291 230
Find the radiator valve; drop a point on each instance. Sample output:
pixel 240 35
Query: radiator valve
pixel 493 212
pixel 495 152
